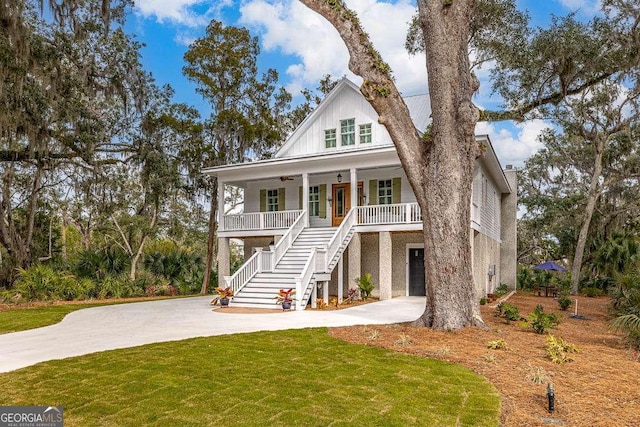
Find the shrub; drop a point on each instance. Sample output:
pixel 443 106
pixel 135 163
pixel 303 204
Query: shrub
pixel 558 350
pixel 97 264
pixel 541 321
pixel 117 287
pixel 501 290
pixel 591 291
pixel 483 301
pixel 508 311
pixel 625 306
pixel 497 345
pixel 564 302
pixel 366 285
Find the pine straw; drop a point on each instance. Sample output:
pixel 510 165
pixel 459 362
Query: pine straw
pixel 601 387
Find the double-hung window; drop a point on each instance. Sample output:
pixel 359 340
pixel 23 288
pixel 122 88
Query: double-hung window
pixel 365 133
pixel 314 201
pixel 348 131
pixel 330 138
pixel 385 192
pixel 272 200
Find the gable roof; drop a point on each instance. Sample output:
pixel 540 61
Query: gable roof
pixel 419 109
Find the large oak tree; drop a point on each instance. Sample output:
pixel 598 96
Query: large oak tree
pixel 533 70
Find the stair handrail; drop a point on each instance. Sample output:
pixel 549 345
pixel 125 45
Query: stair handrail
pixel 304 280
pixel 341 233
pixel 287 238
pixel 246 272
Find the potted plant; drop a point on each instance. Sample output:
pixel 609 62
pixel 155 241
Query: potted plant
pixel 284 298
pixel 224 295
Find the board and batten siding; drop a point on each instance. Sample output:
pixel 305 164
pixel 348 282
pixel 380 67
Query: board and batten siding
pixel 485 201
pixel 347 105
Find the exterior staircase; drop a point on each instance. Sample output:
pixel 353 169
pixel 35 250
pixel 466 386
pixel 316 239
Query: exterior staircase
pixel 260 291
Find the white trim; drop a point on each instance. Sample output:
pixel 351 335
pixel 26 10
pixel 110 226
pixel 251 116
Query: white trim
pixel 409 247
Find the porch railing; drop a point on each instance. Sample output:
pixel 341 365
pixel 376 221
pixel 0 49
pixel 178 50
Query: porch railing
pixel 304 280
pixel 399 213
pixel 245 273
pixel 259 220
pixel 287 239
pixel 333 247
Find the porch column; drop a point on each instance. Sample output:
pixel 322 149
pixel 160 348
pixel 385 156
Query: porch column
pixel 220 205
pixel 325 292
pixel 384 274
pixel 305 197
pixel 224 260
pixel 340 279
pixel 354 187
pixel 355 259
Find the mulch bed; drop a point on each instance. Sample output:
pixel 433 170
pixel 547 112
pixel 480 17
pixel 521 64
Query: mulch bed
pixel 601 387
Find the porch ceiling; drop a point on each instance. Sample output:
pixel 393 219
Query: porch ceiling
pixel 240 174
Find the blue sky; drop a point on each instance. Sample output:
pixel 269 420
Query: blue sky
pixel 303 48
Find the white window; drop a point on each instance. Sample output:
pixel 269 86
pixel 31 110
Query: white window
pixel 365 133
pixel 314 201
pixel 385 192
pixel 272 200
pixel 348 131
pixel 330 138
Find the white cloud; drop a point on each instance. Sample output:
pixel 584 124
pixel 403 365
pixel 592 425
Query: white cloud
pixel 513 144
pixel 585 7
pixel 289 27
pixel 175 11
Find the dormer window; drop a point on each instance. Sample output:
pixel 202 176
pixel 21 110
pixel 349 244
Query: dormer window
pixel 348 131
pixel 365 133
pixel 330 138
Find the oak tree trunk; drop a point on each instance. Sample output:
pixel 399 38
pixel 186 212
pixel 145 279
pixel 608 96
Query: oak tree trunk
pixel 438 165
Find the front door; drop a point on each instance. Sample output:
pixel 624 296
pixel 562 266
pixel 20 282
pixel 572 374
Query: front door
pixel 416 272
pixel 341 202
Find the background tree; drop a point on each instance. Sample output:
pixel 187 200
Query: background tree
pixel 594 153
pixel 246 110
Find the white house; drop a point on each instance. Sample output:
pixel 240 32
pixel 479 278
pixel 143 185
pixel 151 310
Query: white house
pixel 334 203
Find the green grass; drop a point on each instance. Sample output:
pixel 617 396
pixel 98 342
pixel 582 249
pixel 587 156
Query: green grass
pixel 296 377
pixel 36 317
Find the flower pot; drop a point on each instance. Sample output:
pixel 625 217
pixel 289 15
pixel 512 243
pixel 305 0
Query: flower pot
pixel 286 305
pixel 224 302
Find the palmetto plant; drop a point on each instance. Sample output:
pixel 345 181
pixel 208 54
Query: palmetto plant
pixel 616 254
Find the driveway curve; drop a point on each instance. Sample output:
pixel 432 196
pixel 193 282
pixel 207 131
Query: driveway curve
pixel 128 325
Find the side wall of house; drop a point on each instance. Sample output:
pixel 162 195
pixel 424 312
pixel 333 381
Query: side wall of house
pixel 485 253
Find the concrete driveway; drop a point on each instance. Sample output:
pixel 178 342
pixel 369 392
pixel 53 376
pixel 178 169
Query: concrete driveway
pixel 128 325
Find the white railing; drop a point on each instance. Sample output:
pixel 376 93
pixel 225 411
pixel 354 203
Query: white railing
pixel 304 280
pixel 399 213
pixel 287 239
pixel 341 233
pixel 246 272
pixel 259 220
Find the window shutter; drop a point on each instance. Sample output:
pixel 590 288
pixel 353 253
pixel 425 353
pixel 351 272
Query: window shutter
pixel 373 192
pixel 397 190
pixel 263 200
pixel 323 201
pixel 281 199
pixel 300 197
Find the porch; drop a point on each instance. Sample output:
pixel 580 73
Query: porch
pixel 392 217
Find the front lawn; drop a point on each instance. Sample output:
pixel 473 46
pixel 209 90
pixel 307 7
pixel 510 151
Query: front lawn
pixel 295 377
pixel 36 317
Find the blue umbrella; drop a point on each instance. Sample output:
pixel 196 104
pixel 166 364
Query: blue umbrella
pixel 549 265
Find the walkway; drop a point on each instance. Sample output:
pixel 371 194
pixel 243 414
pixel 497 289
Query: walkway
pixel 128 325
